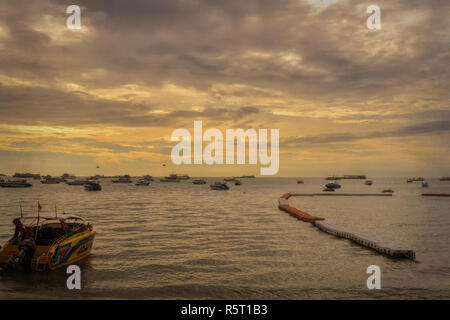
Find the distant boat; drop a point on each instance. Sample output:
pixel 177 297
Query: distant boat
pixel 387 191
pixel 245 177
pixel 328 189
pixel 219 186
pixel 230 179
pixel 123 179
pixel 15 184
pixel 347 176
pixel 183 177
pixel 300 181
pixel 409 180
pixel 199 181
pixel 171 178
pixel 368 182
pixel 142 182
pixel 237 183
pixel 445 179
pixel 27 175
pixel 148 177
pixel 66 176
pixel 333 185
pixel 77 182
pixel 424 184
pixel 415 179
pixel 92 186
pixel 351 176
pixel 50 180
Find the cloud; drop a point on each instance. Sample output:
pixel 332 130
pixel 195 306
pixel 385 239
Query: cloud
pixel 288 64
pixel 432 127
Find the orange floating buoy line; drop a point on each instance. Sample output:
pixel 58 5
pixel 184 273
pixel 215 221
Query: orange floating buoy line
pixel 375 244
pixel 283 204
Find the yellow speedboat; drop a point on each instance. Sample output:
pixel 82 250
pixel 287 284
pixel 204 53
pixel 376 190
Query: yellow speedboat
pixel 47 243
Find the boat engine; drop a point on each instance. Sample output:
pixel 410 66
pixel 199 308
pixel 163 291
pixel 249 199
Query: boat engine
pixel 22 260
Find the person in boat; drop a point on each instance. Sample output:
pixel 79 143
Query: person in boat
pixel 65 227
pixel 68 230
pixel 20 229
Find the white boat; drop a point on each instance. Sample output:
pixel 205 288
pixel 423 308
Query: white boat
pixel 142 182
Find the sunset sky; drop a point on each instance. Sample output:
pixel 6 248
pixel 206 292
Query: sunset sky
pixel 346 99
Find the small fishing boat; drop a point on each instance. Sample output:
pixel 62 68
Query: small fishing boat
pixel 148 177
pixel 50 180
pixel 123 179
pixel 333 185
pixel 409 180
pixel 300 181
pixel 424 184
pixel 444 179
pixel 368 182
pixel 387 191
pixel 21 183
pixel 92 186
pixel 199 181
pixel 77 182
pixel 219 186
pixel 47 243
pixel 328 189
pixel 237 183
pixel 142 182
pixel 230 179
pixel 171 178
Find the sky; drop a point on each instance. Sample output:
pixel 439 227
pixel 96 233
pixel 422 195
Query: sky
pixel 346 99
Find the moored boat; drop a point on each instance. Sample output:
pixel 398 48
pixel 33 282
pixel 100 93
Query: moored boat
pixel 237 183
pixel 50 180
pixel 18 183
pixel 77 182
pixel 333 185
pixel 424 184
pixel 219 186
pixel 47 243
pixel 124 179
pixel 92 186
pixel 142 182
pixel 170 178
pixel 299 181
pixel 199 181
pixel 368 182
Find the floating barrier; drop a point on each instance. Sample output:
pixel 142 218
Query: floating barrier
pixel 383 247
pixel 343 194
pixel 283 204
pixel 435 194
